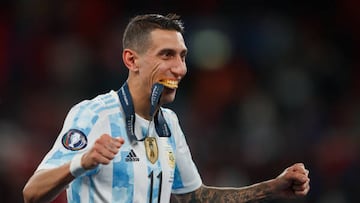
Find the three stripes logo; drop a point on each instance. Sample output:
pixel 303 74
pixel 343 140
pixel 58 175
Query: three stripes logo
pixel 131 156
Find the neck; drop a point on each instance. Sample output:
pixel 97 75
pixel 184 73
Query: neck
pixel 133 100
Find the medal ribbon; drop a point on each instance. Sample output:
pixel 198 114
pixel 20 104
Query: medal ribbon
pixel 127 104
pixel 161 126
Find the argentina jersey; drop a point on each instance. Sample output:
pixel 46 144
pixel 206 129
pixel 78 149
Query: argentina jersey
pixel 147 172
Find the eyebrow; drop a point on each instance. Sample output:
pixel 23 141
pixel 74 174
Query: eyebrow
pixel 172 51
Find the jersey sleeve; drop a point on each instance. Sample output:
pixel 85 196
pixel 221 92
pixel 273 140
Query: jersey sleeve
pixel 73 138
pixel 186 175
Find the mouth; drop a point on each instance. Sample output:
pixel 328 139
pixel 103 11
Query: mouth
pixel 172 84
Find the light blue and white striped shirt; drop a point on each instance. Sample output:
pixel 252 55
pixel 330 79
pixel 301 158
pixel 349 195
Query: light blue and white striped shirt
pixel 130 177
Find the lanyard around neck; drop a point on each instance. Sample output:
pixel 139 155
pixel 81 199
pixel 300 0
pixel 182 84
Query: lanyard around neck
pixel 161 127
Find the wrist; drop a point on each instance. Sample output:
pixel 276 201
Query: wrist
pixel 76 168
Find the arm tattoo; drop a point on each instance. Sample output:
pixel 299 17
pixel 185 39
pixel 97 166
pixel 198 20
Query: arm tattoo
pixel 252 194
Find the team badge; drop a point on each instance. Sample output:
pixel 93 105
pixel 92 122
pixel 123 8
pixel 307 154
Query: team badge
pixel 151 147
pixel 74 140
pixel 171 159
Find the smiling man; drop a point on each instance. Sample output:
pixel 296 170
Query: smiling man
pixel 123 146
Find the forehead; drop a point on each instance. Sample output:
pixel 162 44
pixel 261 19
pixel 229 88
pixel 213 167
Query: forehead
pixel 167 39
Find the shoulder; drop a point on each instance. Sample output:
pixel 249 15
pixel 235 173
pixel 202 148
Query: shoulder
pixel 86 114
pixel 173 121
pixel 169 114
pixel 98 104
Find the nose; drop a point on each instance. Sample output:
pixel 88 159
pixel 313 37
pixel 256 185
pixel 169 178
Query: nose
pixel 179 67
pixel 179 70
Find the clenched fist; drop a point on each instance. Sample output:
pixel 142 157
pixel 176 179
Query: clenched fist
pixel 102 152
pixel 293 181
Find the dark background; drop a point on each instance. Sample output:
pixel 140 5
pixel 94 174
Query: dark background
pixel 269 83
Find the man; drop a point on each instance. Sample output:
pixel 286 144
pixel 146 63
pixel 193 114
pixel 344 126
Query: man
pixel 124 147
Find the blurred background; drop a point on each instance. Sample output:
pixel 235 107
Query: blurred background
pixel 269 83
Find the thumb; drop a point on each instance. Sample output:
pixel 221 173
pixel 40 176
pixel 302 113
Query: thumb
pixel 120 139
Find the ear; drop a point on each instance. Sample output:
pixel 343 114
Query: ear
pixel 129 58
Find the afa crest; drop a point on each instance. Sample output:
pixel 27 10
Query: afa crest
pixel 171 159
pixel 152 151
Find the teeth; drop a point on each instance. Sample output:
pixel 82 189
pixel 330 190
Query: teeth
pixel 170 83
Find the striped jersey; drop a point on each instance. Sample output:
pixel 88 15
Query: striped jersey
pixel 131 176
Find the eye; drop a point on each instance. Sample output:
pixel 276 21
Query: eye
pixel 167 54
pixel 183 56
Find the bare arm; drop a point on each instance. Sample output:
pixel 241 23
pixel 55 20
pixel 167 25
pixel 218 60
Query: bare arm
pixel 293 182
pixel 46 185
pixel 254 193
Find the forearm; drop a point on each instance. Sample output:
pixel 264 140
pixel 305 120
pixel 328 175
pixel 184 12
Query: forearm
pixel 254 193
pixel 45 185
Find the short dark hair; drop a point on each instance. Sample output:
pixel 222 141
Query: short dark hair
pixel 137 31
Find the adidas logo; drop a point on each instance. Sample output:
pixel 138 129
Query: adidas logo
pixel 131 156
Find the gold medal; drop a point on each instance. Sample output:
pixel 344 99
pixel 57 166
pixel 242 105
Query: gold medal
pixel 151 148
